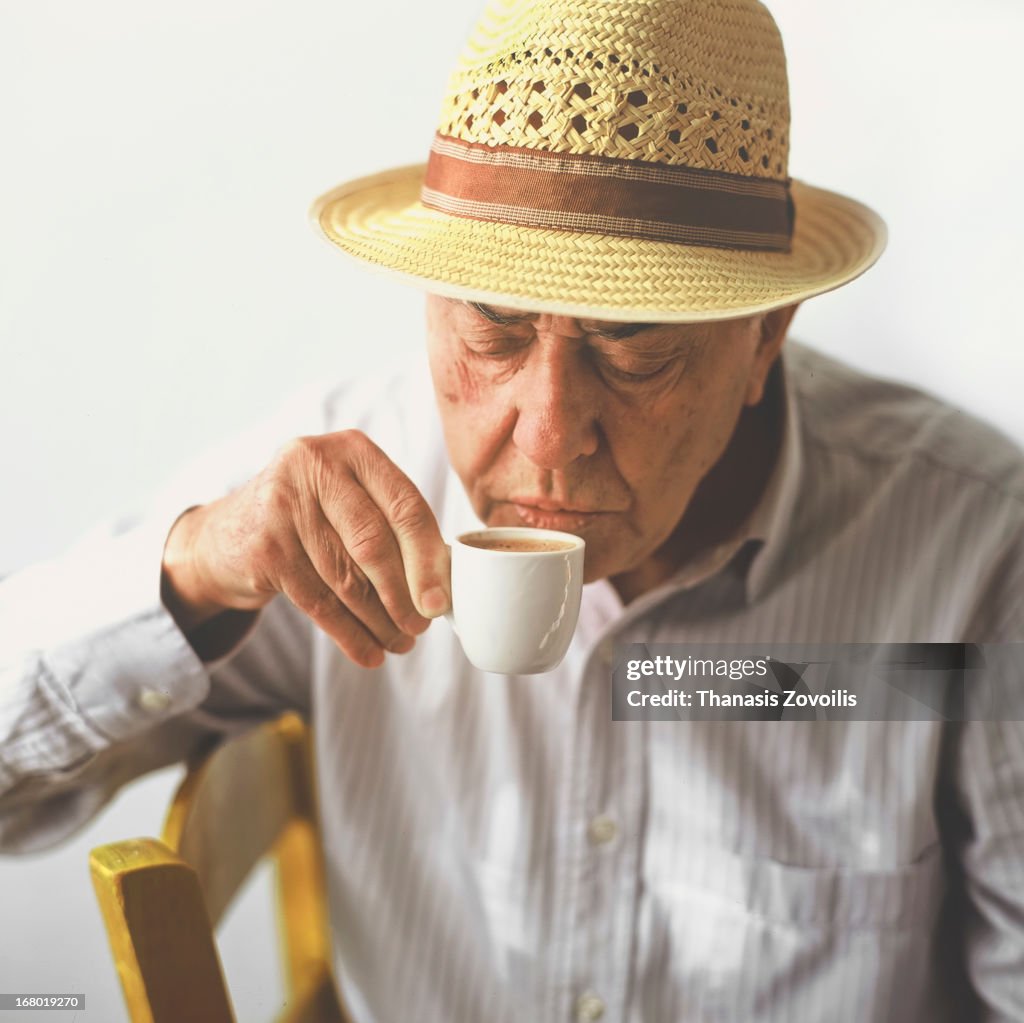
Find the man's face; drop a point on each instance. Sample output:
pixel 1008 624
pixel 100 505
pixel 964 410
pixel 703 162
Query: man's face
pixel 600 429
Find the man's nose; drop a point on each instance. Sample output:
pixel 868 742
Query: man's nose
pixel 557 417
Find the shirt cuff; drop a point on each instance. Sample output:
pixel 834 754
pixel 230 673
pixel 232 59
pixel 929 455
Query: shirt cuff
pixel 127 666
pixel 124 680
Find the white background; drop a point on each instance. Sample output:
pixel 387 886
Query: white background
pixel 160 287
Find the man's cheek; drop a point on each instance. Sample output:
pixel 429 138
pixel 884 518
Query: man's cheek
pixel 677 450
pixel 461 385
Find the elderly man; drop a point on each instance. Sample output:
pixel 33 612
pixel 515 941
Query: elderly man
pixel 613 253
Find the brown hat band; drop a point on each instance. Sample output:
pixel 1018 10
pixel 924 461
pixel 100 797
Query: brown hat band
pixel 602 195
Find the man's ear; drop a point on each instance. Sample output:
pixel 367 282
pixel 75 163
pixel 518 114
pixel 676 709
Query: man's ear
pixel 773 329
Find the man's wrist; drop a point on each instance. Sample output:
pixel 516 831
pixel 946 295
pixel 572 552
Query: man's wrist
pixel 181 587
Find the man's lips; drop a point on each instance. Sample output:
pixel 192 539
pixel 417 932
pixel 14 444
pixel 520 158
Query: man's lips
pixel 547 505
pixel 550 515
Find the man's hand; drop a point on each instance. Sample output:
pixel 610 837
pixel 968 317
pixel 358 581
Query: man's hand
pixel 334 525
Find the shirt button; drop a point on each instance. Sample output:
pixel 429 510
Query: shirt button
pixel 601 830
pixel 589 1007
pixel 154 700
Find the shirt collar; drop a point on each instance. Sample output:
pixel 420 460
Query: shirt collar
pixel 768 516
pixel 768 525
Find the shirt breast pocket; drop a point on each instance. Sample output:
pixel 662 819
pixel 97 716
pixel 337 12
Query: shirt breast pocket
pixel 749 937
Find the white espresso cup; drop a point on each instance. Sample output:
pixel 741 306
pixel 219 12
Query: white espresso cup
pixel 515 600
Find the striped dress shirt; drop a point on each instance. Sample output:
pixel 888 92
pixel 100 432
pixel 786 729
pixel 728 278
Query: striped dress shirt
pixel 498 848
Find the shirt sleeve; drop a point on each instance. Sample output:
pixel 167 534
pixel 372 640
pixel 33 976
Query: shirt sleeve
pixel 990 870
pixel 97 683
pixel 986 764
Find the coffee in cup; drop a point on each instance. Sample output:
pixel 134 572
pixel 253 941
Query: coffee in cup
pixel 518 544
pixel 516 595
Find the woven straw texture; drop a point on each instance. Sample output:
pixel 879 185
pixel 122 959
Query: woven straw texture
pixel 683 83
pixel 381 221
pixel 700 83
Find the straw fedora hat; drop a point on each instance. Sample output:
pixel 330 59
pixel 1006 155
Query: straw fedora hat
pixel 621 160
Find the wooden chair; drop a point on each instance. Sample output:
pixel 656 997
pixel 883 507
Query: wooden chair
pixel 161 900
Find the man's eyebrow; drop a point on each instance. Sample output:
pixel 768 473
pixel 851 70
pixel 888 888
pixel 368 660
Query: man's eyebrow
pixel 620 331
pixel 494 316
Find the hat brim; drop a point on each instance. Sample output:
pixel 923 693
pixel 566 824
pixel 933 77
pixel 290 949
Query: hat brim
pixel 380 221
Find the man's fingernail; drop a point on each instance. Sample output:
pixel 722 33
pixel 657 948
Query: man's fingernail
pixel 434 602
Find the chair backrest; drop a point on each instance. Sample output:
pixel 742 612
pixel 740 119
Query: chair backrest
pixel 162 899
